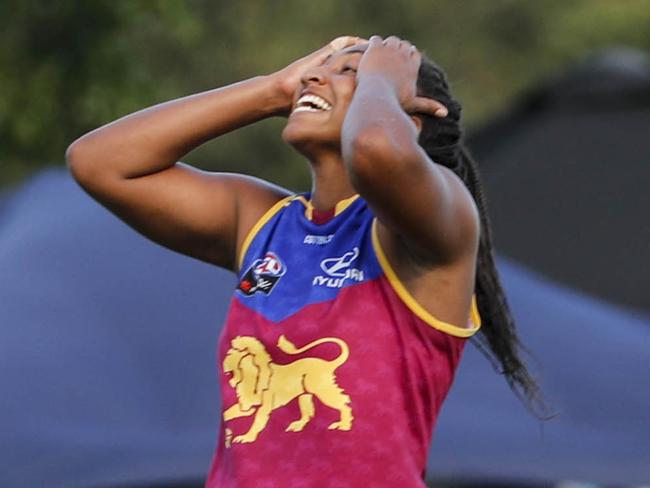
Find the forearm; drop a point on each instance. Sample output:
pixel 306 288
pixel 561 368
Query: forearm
pixel 385 163
pixel 376 128
pixel 154 138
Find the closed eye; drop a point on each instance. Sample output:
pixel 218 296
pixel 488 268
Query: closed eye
pixel 348 69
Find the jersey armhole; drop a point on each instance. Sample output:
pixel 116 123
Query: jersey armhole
pixel 413 305
pixel 268 215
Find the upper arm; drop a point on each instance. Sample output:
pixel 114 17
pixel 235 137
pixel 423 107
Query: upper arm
pixel 194 212
pixel 422 204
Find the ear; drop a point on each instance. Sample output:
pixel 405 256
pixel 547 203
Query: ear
pixel 418 122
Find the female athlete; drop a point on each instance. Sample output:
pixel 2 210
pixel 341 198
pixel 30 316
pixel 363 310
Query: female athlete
pixel 355 300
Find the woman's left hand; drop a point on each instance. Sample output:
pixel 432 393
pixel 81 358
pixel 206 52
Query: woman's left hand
pixel 398 61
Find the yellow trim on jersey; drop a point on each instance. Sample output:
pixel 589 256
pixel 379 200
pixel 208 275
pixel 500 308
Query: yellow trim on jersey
pixel 415 307
pixel 343 204
pixel 338 208
pixel 474 315
pixel 308 206
pixel 259 224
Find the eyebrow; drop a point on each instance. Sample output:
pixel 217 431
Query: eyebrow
pixel 351 51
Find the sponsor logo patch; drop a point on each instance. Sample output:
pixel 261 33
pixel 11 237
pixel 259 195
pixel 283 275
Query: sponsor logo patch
pixel 262 275
pixel 338 270
pixel 317 240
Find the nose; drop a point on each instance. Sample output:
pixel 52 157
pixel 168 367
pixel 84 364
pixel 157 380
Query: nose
pixel 315 74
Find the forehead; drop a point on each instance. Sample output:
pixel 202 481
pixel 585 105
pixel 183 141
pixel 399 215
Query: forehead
pixel 348 52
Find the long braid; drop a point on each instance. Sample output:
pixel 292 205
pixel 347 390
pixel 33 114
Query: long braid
pixel 498 336
pixel 497 339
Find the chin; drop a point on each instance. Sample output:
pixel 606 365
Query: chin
pixel 292 132
pixel 307 137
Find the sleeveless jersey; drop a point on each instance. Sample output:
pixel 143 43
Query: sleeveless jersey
pixel 331 374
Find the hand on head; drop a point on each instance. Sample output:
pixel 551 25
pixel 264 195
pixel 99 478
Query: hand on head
pixel 395 60
pixel 398 61
pixel 288 79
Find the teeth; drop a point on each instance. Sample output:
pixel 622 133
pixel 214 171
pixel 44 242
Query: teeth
pixel 304 104
pixel 306 108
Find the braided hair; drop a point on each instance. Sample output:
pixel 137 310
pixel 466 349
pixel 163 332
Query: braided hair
pixel 497 339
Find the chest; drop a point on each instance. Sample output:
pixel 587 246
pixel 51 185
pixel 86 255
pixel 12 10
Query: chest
pixel 293 263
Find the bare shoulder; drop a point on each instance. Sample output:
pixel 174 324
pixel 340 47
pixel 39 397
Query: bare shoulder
pixel 255 198
pixel 443 289
pixel 237 202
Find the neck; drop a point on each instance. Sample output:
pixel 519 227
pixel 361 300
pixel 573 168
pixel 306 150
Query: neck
pixel 330 181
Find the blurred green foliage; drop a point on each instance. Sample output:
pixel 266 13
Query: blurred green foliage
pixel 67 67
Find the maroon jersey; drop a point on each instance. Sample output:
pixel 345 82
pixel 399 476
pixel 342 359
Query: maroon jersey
pixel 331 374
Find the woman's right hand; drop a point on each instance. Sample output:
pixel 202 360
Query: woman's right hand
pixel 288 79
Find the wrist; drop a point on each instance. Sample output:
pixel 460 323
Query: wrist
pixel 376 85
pixel 276 100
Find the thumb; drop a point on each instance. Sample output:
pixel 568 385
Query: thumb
pixel 428 106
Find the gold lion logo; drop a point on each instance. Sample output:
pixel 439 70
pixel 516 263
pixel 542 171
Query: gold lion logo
pixel 262 386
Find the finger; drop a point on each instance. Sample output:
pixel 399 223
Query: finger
pixel 415 54
pixel 331 47
pixel 429 106
pixel 345 41
pixel 375 41
pixel 392 41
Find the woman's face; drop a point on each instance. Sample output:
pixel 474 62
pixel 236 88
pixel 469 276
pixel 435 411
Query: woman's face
pixel 322 100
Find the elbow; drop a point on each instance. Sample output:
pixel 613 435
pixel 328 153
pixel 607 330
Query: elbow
pixel 73 157
pixel 73 154
pixel 83 160
pixel 76 158
pixel 87 155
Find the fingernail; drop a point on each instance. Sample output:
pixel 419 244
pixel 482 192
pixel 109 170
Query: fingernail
pixel 441 112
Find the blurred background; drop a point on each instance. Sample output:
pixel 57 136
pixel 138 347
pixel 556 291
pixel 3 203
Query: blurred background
pixel 107 340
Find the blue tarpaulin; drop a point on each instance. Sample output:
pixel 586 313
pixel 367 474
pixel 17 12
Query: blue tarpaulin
pixel 108 371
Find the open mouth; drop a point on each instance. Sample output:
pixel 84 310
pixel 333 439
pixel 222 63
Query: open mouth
pixel 312 103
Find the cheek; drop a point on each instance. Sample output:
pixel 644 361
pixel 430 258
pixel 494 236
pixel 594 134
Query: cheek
pixel 346 89
pixel 342 109
pixel 343 101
